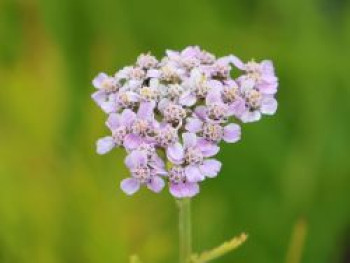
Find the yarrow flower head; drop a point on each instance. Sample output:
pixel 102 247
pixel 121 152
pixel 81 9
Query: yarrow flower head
pixel 172 114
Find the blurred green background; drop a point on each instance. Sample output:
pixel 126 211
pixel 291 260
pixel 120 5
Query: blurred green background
pixel 60 202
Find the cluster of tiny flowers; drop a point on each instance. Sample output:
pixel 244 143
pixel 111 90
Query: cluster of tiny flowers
pixel 171 115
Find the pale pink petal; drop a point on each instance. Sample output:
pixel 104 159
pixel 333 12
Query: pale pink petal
pixel 207 148
pixel 201 112
pixel 194 125
pixel 130 185
pixel 99 79
pixel 232 133
pixel 124 73
pixel 158 166
pixel 172 54
pixel 237 107
pixel 268 106
pixel 133 96
pixel 113 121
pixel 156 184
pixel 104 145
pixel 236 62
pixel 136 159
pixel 267 67
pixel 231 83
pixel 188 99
pixel 99 97
pixel 250 116
pixel 210 167
pixel 177 190
pixel 145 110
pixel 110 105
pixel 128 117
pixel 247 84
pixel 157 162
pixel 153 73
pixel 214 96
pixel 182 190
pixel 159 170
pixel 154 83
pixel 132 141
pixel 193 174
pixel 189 139
pixel 163 103
pixel 175 153
pixel 191 51
pixel 268 88
pixel 215 85
pixel 133 85
pixel 190 189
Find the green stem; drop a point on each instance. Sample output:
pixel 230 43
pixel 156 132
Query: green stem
pixel 185 242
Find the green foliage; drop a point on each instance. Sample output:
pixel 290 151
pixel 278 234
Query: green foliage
pixel 60 202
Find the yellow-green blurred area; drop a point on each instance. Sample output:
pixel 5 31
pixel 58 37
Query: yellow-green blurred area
pixel 61 202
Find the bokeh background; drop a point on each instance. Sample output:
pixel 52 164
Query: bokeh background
pixel 289 176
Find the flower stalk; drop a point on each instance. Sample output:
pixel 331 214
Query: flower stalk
pixel 171 116
pixel 185 235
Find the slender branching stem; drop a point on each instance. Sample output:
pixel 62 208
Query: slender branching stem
pixel 219 251
pixel 185 238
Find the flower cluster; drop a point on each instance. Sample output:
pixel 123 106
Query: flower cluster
pixel 171 115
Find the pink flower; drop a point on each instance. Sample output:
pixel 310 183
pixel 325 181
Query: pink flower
pixel 193 157
pixel 128 128
pixel 105 95
pixel 142 173
pixel 179 186
pixel 177 110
